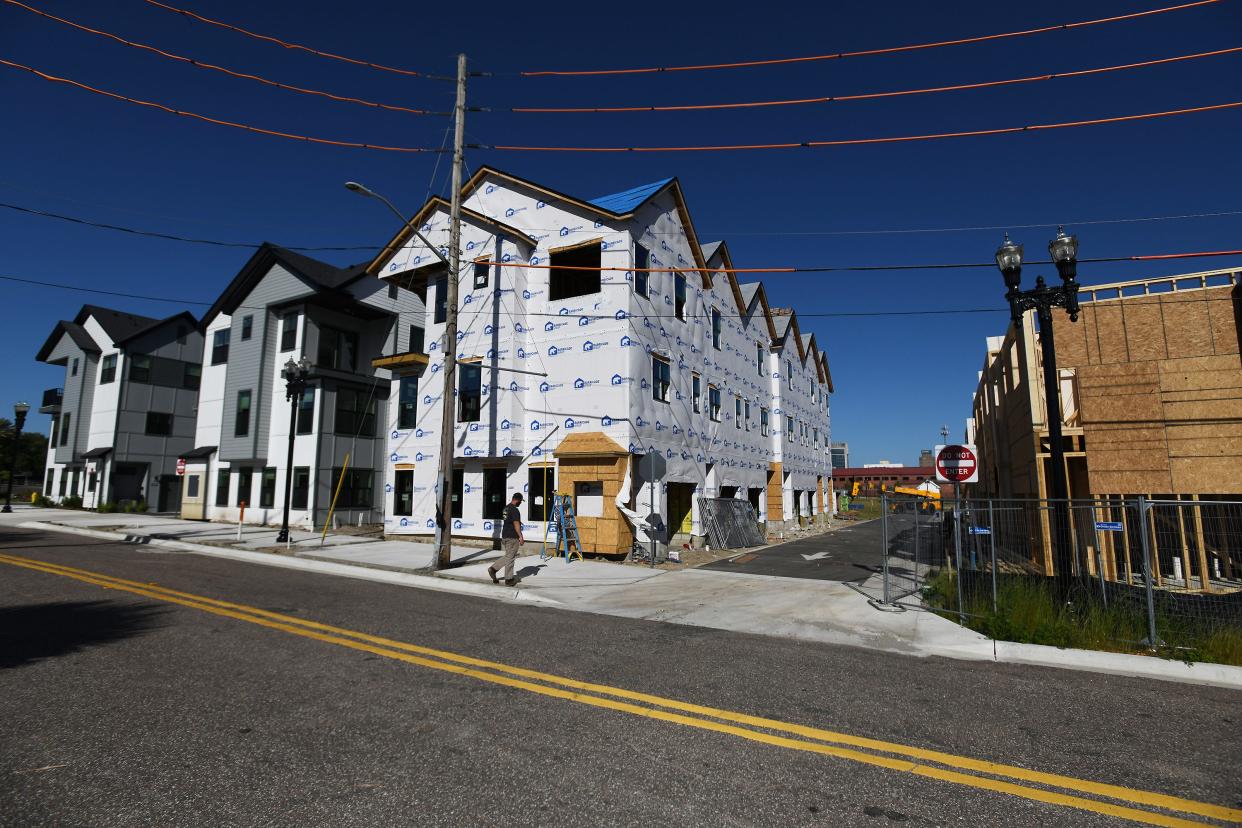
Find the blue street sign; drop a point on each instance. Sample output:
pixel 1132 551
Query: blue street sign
pixel 1109 526
pixel 980 530
pixel 856 507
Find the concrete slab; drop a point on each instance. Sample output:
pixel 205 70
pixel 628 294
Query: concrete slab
pixel 397 555
pixel 557 574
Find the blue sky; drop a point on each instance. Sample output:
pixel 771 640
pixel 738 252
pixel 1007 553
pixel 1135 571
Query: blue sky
pixel 897 378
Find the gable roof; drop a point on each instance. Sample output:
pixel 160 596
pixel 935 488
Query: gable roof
pixel 316 274
pixel 75 332
pixel 627 201
pixel 183 316
pixel 118 325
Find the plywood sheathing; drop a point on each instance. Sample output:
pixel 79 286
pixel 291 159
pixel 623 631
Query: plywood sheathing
pixel 587 457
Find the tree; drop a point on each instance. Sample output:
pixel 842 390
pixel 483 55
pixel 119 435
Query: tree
pixel 31 453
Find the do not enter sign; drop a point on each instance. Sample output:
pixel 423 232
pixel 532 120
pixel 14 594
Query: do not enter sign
pixel 180 466
pixel 957 464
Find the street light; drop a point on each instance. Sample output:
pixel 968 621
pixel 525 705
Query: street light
pixel 444 523
pixel 1042 299
pixel 19 419
pixel 295 387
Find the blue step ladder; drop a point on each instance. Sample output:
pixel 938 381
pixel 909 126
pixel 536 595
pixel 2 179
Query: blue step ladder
pixel 565 528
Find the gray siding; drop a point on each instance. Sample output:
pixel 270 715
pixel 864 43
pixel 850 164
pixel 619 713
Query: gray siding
pixel 251 363
pixel 71 404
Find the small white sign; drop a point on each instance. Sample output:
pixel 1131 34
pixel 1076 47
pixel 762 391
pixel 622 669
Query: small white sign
pixel 589 499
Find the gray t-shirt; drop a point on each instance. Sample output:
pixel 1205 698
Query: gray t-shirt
pixel 512 515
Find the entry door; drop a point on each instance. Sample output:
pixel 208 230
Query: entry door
pixel 169 495
pixel 193 496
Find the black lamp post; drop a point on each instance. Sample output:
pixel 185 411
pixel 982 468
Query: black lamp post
pixel 1042 299
pixel 295 386
pixel 19 420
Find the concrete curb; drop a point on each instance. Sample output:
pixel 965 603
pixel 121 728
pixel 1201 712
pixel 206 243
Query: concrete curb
pixel 1120 664
pixel 362 573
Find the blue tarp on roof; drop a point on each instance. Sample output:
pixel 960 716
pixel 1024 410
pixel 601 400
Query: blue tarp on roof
pixel 627 200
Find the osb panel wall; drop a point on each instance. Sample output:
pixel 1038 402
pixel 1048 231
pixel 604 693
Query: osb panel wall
pixel 609 534
pixel 1160 380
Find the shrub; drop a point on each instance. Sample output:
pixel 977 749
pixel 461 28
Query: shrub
pixel 41 500
pixel 71 502
pixel 106 508
pixel 140 506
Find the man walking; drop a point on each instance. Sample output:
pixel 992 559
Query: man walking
pixel 510 540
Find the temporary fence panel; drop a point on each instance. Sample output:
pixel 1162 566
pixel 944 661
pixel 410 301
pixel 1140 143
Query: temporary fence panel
pixel 730 523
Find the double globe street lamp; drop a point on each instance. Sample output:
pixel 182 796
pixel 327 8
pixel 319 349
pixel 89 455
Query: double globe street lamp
pixel 296 373
pixel 1042 299
pixel 19 420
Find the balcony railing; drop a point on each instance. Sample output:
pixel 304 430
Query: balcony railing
pixel 52 399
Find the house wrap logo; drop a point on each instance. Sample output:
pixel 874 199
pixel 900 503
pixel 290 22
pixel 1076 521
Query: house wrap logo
pixel 627 342
pixel 404 522
pixel 463 524
pixel 659 426
pixel 583 321
pixel 553 350
pixel 397 458
pixel 470 451
pixel 420 456
pixel 473 427
pixel 605 421
pixel 508 451
pixel 545 386
pixel 552 326
pixel 640 422
pixel 488 329
pixel 522 353
pixel 512 211
pixel 619 315
pixel 581 383
pixel 435 368
pixel 593 346
pixel 513 386
pixel 434 346
pixel 565 231
pixel 569 311
pixel 396 435
pixel 519 327
pixel 570 422
pixel 538 426
pixel 537 451
pixel 617 379
pixel 505 425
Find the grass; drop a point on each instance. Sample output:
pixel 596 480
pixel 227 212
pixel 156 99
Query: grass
pixel 1027 611
pixel 870 508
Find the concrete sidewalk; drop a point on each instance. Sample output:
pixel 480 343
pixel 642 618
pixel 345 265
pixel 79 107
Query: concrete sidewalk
pixel 804 609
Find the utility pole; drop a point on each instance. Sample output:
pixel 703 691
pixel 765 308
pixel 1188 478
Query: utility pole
pixel 448 419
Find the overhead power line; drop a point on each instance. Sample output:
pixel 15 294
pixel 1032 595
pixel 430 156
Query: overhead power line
pixel 843 142
pixel 169 236
pixel 296 46
pixel 862 96
pixel 209 119
pixel 867 52
pixel 895 231
pixel 204 65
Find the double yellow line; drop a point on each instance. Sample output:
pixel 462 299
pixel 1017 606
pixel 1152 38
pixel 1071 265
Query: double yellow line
pixel 962 770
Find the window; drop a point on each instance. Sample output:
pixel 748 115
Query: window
pixel 191 375
pixel 470 393
pixel 337 349
pixel 759 359
pixel 564 283
pixel 301 487
pixel 64 481
pixel 222 487
pixel 789 427
pixel 659 379
pixel 679 295
pixel 220 347
pixel 306 411
pixel 289 331
pixel 763 422
pixel 244 479
pixel 191 485
pixel 403 493
pixel 392 291
pixel 247 327
pixel 356 488
pixel 815 435
pixel 789 373
pixel 642 261
pixel 92 481
pixel 267 489
pixel 73 367
pixel 716 329
pixel 417 339
pixel 441 300
pixel 713 403
pixel 107 369
pixel 737 411
pixel 159 423
pixel 459 481
pixel 407 403
pixel 748 415
pixel 696 391
pixel 48 478
pixel 480 274
pixel 140 368
pixel 540 487
pixel 64 429
pixel 494 481
pixel 51 439
pixel 355 412
pixel 241 422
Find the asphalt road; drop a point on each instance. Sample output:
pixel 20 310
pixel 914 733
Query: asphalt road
pixel 851 554
pixel 132 705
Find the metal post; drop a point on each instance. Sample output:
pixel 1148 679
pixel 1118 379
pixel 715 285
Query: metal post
pixel 444 520
pixel 294 394
pixel 957 562
pixel 885 550
pixel 992 539
pixel 19 420
pixel 650 519
pixel 1062 555
pixel 1143 508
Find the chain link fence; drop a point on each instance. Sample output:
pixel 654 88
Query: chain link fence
pixel 1116 573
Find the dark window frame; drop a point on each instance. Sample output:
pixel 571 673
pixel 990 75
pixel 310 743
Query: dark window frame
pixel 696 392
pixel 358 418
pixel 440 313
pixel 224 481
pixel 247 327
pixel 403 488
pixel 107 369
pixel 407 402
pixel 191 375
pixel 245 485
pixel 482 272
pixel 339 344
pixel 713 403
pixel 716 326
pixel 642 261
pixel 300 494
pixel 568 284
pixel 267 488
pixel 545 476
pixel 140 366
pixel 241 424
pixel 469 393
pixel 164 426
pixel 494 501
pixel 679 295
pixel 306 412
pixel 289 331
pixel 661 378
pixel 220 346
